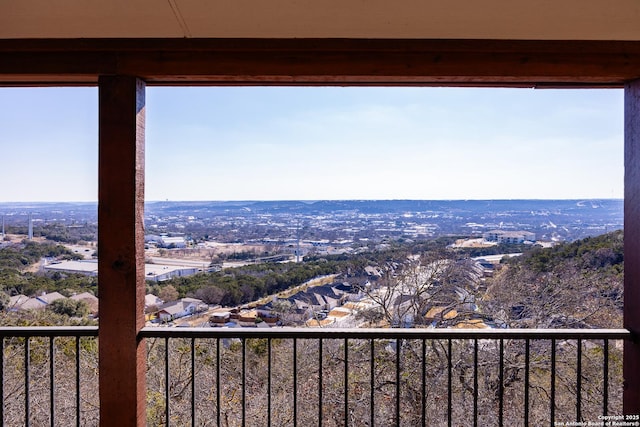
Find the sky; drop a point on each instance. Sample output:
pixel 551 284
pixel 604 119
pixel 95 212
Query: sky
pixel 314 143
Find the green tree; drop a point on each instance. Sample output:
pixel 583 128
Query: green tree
pixel 4 300
pixel 69 307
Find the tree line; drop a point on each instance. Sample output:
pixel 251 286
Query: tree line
pixel 16 278
pixel 235 286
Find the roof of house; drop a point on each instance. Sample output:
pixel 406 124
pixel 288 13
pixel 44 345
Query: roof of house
pixel 471 324
pixel 32 304
pixel 314 323
pixel 89 299
pixel 84 296
pixel 317 295
pixel 22 302
pixel 150 299
pixel 50 297
pixel 175 307
pixel 437 312
pixel 17 300
pixel 339 312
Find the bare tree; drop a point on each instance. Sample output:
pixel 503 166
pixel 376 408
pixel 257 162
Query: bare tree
pixel 168 293
pixel 566 297
pixel 406 291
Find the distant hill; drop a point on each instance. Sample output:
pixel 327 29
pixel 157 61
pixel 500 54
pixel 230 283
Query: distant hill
pixel 539 207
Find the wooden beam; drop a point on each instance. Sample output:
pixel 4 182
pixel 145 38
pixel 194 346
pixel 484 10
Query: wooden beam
pixel 632 246
pixel 323 62
pixel 121 247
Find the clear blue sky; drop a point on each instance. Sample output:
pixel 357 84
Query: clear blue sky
pixel 325 143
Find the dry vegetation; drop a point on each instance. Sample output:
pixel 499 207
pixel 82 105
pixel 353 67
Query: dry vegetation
pixel 414 355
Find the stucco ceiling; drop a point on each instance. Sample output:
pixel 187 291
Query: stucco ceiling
pixel 422 19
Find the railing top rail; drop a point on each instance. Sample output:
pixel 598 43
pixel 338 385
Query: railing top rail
pixel 362 333
pixel 325 333
pixel 48 331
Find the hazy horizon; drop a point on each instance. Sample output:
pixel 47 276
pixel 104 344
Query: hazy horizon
pixel 319 200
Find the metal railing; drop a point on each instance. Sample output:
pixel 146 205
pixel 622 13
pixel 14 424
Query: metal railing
pixel 376 377
pixel 49 376
pixel 324 377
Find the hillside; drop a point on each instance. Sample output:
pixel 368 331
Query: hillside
pixel 573 285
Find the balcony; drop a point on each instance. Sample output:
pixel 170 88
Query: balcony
pixel 291 376
pixel 564 378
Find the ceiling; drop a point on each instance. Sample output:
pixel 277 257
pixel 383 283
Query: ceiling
pixel 380 19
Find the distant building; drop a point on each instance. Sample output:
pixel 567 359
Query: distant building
pixel 87 268
pixel 154 272
pixel 165 241
pixel 160 273
pixel 509 237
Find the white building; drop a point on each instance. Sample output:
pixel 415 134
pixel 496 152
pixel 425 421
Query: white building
pixel 509 237
pixel 165 241
pixel 154 272
pixel 181 308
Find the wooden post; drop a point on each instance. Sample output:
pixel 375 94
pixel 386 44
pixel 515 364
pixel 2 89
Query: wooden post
pixel 632 246
pixel 121 251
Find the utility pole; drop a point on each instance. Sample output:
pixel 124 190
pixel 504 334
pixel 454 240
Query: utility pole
pixel 298 243
pixel 30 235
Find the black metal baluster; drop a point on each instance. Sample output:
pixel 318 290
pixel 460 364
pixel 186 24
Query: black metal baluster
pixel 27 367
pixel 295 382
pixel 475 382
pixel 218 391
pixel 553 381
pixel 398 344
pixel 77 381
pixel 320 383
pixel 268 382
pixel 605 362
pixel 166 380
pixel 449 384
pixel 193 382
pixel 424 383
pixel 244 381
pixel 346 382
pixel 501 386
pixel 52 383
pixel 526 381
pixel 372 385
pixel 579 382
